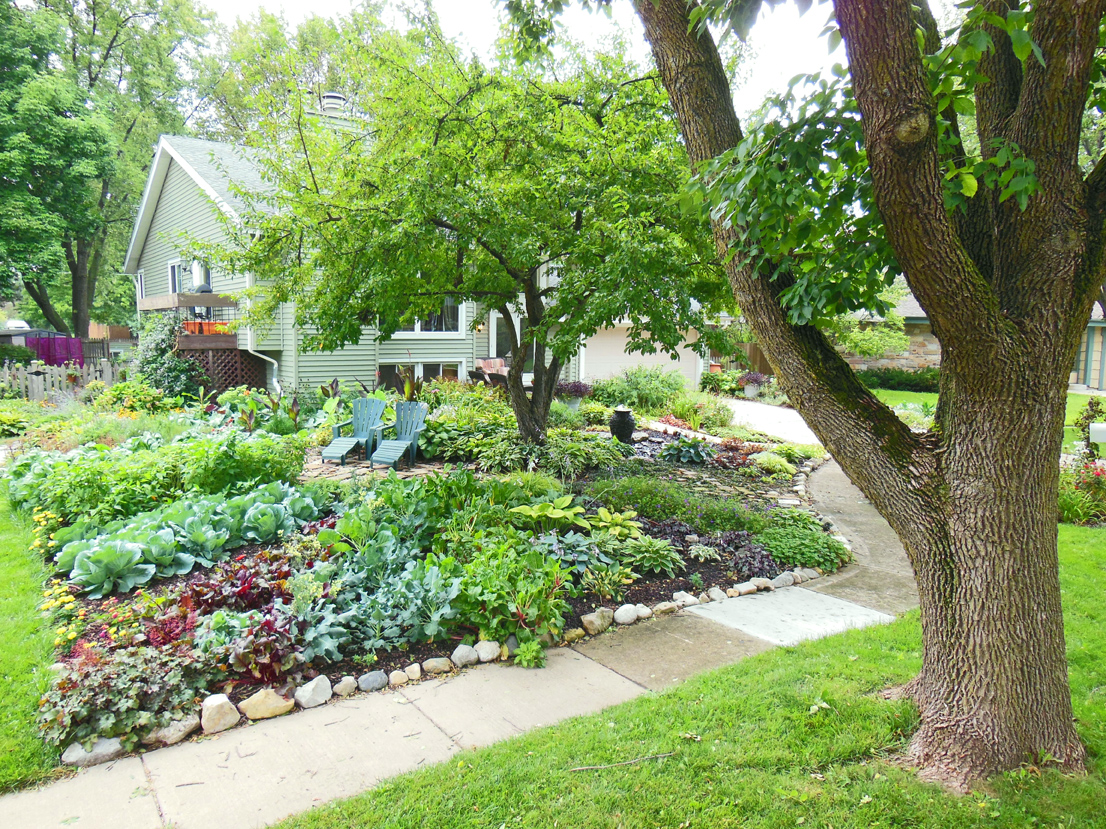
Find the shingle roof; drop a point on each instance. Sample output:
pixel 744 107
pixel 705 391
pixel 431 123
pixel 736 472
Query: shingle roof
pixel 220 164
pixel 909 309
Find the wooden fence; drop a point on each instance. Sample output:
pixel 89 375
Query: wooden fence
pixel 39 381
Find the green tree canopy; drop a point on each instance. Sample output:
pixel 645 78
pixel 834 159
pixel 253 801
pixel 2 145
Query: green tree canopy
pixel 551 197
pixel 126 66
pixel 51 148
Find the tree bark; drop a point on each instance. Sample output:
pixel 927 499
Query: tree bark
pixel 41 297
pixel 974 501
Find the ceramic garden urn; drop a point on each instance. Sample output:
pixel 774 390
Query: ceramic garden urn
pixel 622 425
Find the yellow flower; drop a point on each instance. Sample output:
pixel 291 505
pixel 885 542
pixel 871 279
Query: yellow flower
pixel 60 631
pixel 57 642
pixel 72 634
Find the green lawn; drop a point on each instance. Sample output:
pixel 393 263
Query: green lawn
pixel 25 646
pixel 747 751
pixel 1076 402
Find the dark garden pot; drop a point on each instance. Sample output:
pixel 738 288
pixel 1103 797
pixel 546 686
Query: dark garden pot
pixel 622 425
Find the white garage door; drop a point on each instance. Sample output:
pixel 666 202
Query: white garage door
pixel 606 355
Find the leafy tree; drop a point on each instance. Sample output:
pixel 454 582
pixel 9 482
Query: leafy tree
pixel 127 64
pixel 51 148
pixel 1001 240
pixel 551 198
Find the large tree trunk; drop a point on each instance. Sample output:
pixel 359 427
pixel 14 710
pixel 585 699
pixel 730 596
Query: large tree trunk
pixel 41 296
pixel 83 258
pixel 974 501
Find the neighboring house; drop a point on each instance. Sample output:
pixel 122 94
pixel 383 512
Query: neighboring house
pixel 924 351
pixel 189 184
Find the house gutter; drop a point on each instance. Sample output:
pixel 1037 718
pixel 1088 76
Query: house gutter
pixel 251 342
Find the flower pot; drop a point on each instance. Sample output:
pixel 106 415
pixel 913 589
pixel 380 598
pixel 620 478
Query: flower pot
pixel 752 391
pixel 572 402
pixel 622 425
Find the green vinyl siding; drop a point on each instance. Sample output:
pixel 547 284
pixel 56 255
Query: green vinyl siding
pixel 182 206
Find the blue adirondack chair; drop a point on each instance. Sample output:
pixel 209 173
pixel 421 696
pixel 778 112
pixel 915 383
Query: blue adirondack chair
pixel 367 427
pixel 410 421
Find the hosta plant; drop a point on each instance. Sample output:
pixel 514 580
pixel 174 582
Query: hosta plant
pixel 652 555
pixel 552 515
pixel 608 581
pixel 687 450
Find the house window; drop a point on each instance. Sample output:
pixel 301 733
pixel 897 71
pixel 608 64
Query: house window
pixel 174 277
pixel 449 322
pixel 500 344
pixel 141 285
pixel 391 375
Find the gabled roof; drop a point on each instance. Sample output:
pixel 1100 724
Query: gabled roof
pixel 213 165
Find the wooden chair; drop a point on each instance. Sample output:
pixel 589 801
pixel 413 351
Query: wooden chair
pixel 410 421
pixel 478 377
pixel 367 427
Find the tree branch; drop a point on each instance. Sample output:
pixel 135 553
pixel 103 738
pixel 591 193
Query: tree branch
pixel 897 106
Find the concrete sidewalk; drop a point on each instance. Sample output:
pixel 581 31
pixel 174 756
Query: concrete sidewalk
pixel 775 421
pixel 253 776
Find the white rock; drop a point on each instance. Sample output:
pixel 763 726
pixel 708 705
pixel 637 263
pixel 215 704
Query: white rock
pixel 716 594
pixel 314 693
pixel 103 749
pixel 413 671
pixel 265 704
pixel 625 615
pixel 783 580
pixel 843 540
pixel 809 573
pixel 665 608
pixel 745 588
pixel 465 655
pixel 643 611
pixel 797 575
pixel 398 678
pixel 346 686
pixel 683 599
pixel 789 502
pixel 217 713
pixel 488 651
pixel 704 598
pixel 173 733
pixel 762 584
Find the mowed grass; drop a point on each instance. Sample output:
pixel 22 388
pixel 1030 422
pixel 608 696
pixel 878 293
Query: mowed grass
pixel 1076 402
pixel 793 737
pixel 26 649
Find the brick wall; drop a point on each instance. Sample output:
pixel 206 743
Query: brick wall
pixel 924 352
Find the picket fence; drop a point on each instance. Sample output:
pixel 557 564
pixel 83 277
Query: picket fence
pixel 39 381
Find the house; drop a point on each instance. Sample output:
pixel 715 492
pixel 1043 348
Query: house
pixel 189 184
pixel 924 351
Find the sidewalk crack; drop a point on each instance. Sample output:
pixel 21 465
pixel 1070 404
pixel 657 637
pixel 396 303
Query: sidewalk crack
pixel 153 790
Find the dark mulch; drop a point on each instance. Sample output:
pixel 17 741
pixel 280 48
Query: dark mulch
pixel 654 589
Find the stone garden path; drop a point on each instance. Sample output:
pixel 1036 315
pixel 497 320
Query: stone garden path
pixel 252 776
pixel 772 420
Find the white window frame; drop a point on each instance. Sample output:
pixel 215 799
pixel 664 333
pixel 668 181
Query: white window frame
pixel 462 365
pixel 141 284
pixel 175 263
pixel 418 334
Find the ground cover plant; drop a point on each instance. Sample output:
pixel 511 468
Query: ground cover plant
pixel 794 737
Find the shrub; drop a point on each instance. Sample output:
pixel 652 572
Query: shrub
pixel 13 424
pixel 799 452
pixel 641 388
pixel 900 379
pixel 652 555
pixel 795 544
pixel 687 450
pixel 772 463
pixel 661 500
pixel 16 354
pixel 1082 495
pixel 158 361
pixel 595 413
pixel 135 396
pixel 1093 412
pixel 562 417
pixel 748 559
